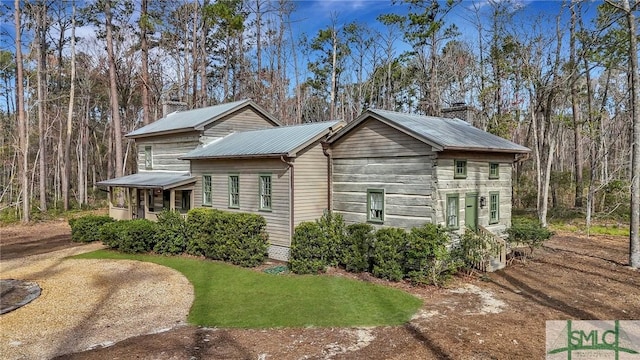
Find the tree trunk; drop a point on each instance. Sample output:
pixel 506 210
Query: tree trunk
pixel 66 177
pixel 577 125
pixel 22 125
pixel 113 94
pixel 634 236
pixel 42 101
pixel 144 45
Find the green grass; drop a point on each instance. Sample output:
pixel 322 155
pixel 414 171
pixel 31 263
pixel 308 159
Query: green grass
pixel 229 296
pixel 614 229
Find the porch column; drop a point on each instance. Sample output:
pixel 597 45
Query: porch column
pixel 172 200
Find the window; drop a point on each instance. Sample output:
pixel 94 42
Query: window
pixel 452 220
pixel 148 158
pixel 207 190
pixel 494 171
pixel 375 205
pixel 234 191
pixel 166 199
pixel 460 171
pixel 185 201
pixel 494 207
pixel 265 192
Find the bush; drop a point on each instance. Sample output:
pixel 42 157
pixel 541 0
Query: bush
pixel 87 228
pixel 247 241
pixel 333 230
pixel 308 251
pixel 172 233
pixel 529 233
pixel 356 255
pixel 427 257
pixel 239 238
pixel 130 236
pixel 473 249
pixel 388 253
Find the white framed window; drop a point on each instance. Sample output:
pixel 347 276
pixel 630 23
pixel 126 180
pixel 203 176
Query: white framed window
pixel 234 191
pixel 494 207
pixel 453 211
pixel 148 157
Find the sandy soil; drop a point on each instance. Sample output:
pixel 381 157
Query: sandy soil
pixel 497 316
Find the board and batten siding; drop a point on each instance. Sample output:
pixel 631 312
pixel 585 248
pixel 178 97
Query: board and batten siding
pixel 245 119
pixel 166 149
pixel 248 170
pixel 311 184
pixel 377 156
pixel 477 181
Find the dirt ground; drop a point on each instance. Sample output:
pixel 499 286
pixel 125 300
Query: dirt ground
pixel 497 316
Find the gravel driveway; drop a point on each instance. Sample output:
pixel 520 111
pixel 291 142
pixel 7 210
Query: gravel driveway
pixel 89 303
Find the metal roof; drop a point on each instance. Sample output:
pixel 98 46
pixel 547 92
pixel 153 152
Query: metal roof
pixel 193 119
pixel 285 140
pixel 150 180
pixel 444 133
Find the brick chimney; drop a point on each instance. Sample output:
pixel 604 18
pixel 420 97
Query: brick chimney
pixel 169 106
pixel 461 111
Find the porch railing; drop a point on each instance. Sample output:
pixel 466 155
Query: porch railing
pixel 497 257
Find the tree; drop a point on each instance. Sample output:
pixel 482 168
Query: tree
pixel 22 122
pixel 113 92
pixel 66 178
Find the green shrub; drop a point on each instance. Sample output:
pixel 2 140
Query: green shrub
pixel 308 250
pixel 110 233
pixel 239 238
pixel 172 233
pixel 529 233
pixel 333 230
pixel 427 257
pixel 356 254
pixel 87 228
pixel 130 236
pixel 473 249
pixel 388 253
pixel 247 241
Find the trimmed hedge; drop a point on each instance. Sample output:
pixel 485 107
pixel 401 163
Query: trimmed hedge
pixel 87 228
pixel 130 236
pixel 356 254
pixel 172 233
pixel 239 238
pixel 308 249
pixel 388 253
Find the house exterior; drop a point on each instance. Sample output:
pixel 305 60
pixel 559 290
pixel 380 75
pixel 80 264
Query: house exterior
pixel 280 173
pixel 385 168
pixel 401 170
pixel 163 181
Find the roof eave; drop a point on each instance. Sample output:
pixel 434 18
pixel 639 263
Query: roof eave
pixel 263 112
pixel 485 149
pixel 158 133
pixel 240 156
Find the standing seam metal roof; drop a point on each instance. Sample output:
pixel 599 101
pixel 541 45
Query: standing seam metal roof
pixel 266 142
pixel 187 120
pixel 446 132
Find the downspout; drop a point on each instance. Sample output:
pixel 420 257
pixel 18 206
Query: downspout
pixel 291 194
pixel 327 152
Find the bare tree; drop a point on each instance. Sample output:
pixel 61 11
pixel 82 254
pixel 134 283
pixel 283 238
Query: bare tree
pixel 113 92
pixel 22 124
pixel 66 178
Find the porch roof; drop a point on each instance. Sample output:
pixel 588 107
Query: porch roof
pixel 151 180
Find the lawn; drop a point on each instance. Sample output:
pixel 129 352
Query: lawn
pixel 230 296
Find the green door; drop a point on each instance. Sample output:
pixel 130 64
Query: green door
pixel 471 211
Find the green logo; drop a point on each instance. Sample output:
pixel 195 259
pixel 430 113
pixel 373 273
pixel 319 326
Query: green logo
pixel 590 339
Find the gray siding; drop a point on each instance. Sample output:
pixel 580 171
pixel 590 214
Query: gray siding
pixel 278 220
pixel 477 181
pixel 373 138
pixel 243 120
pixel 311 184
pixel 166 149
pixel 408 197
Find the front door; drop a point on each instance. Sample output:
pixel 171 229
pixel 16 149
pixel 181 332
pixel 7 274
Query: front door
pixel 471 211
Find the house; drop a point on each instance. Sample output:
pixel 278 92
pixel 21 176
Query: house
pixel 163 181
pixel 385 168
pixel 403 170
pixel 280 173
